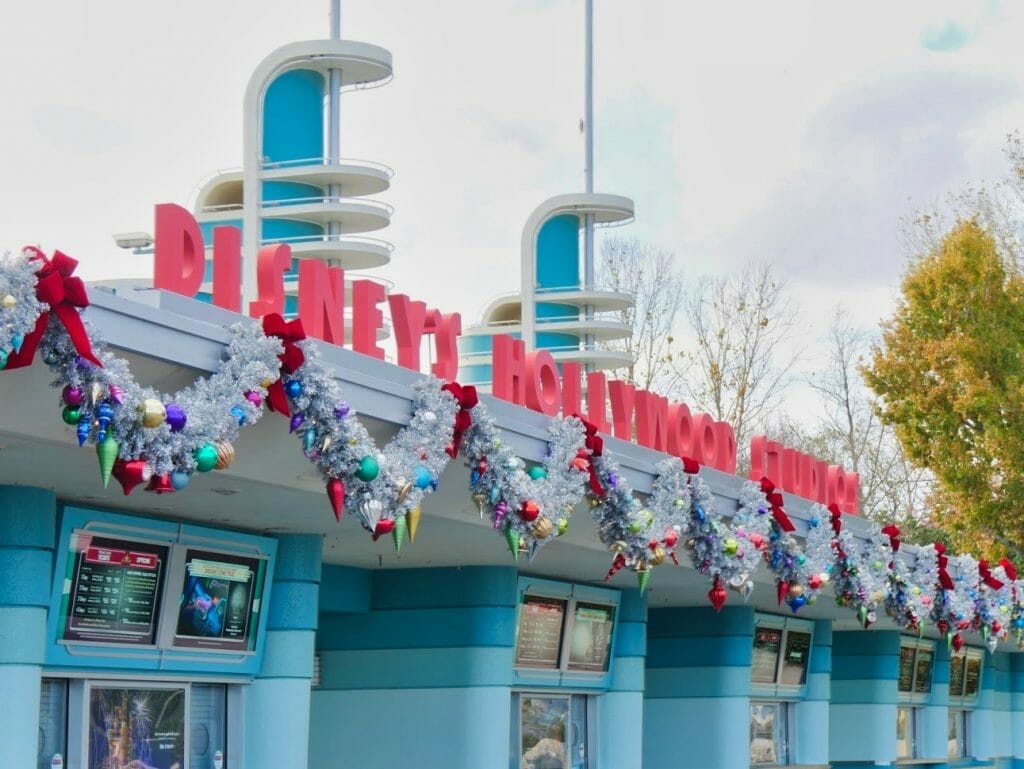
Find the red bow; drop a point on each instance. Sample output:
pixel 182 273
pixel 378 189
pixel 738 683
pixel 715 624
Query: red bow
pixel 466 397
pixel 945 581
pixel 986 575
pixel 775 500
pixel 57 287
pixel 836 517
pixel 595 448
pixel 893 534
pixel 690 466
pixel 1009 568
pixel 290 333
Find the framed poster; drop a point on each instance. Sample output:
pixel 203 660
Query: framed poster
pixel 765 664
pixel 136 727
pixel 113 591
pixel 539 633
pixel 219 601
pixel 905 676
pixel 590 644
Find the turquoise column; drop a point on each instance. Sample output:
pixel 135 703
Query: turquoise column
pixel 1015 674
pixel 275 730
pixel 989 723
pixel 862 714
pixel 27 530
pixel 811 746
pixel 697 696
pixel 621 709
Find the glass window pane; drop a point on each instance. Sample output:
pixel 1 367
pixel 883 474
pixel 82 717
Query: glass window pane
pixel 208 726
pixel 923 676
pixel 957 734
pixel 767 730
pixel 578 733
pixel 543 732
pixel 794 661
pixel 539 634
pixel 53 721
pixel 129 726
pixel 591 637
pixel 904 733
pixel 767 643
pixel 973 675
pixel 956 675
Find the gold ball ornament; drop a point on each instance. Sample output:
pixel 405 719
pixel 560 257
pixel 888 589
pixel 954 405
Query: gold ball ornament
pixel 618 546
pixel 796 590
pixel 657 557
pixel 225 455
pixel 153 412
pixel 9 302
pixel 542 528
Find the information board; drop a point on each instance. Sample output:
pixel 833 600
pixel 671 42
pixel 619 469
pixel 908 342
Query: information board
pixel 794 660
pixel 767 643
pixel 591 640
pixel 923 679
pixel 115 590
pixel 218 600
pixel 539 635
pixel 972 677
pixel 905 679
pixel 956 675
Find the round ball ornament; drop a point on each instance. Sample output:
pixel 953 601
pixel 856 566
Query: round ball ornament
pixel 179 479
pixel 730 546
pixel 152 412
pixel 422 477
pixel 561 526
pixel 72 395
pixel 657 556
pixel 293 388
pixel 175 416
pixel 9 302
pixel 796 590
pixel 71 415
pixel 225 455
pixel 3 359
pixel 205 457
pixel 530 510
pixel 368 469
pixel 542 528
pixel 538 473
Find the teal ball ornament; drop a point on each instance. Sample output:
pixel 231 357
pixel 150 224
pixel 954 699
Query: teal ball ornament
pixel 422 477
pixel 206 457
pixel 3 359
pixel 538 473
pixel 368 469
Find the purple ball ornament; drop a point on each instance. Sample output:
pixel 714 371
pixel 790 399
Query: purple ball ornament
pixel 72 395
pixel 176 417
pixel 341 410
pixel 254 398
pixel 82 364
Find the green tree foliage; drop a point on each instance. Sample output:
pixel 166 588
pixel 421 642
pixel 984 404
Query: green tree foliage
pixel 950 379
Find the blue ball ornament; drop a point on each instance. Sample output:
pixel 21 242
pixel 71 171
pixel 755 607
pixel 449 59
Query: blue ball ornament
pixel 179 479
pixel 796 602
pixel 3 359
pixel 293 388
pixel 422 477
pixel 699 513
pixel 238 413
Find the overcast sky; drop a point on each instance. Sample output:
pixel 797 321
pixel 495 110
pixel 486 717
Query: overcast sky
pixel 798 132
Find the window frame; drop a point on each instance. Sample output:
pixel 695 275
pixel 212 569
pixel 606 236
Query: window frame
pixel 918 645
pixel 962 699
pixel 777 689
pixel 785 731
pixel 963 733
pixel 589 704
pixel 913 718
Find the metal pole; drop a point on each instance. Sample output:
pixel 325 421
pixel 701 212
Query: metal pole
pixel 334 112
pixel 588 170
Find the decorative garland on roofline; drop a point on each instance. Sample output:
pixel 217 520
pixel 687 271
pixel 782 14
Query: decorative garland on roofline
pixel 143 437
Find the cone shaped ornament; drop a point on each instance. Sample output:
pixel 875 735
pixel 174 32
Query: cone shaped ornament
pixel 399 533
pixel 717 595
pixel 106 451
pixel 512 537
pixel 412 520
pixel 131 473
pixel 336 494
pixel 643 576
pixel 782 590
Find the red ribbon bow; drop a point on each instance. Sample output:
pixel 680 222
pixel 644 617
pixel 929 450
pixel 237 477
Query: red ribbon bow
pixel 290 333
pixel 594 448
pixel 945 581
pixel 893 534
pixel 690 465
pixel 986 575
pixel 836 518
pixel 1009 568
pixel 466 397
pixel 57 286
pixel 775 500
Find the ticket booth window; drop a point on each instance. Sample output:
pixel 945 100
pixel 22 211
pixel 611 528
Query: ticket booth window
pixel 957 739
pixel 549 730
pixel 53 722
pixel 906 732
pixel 769 733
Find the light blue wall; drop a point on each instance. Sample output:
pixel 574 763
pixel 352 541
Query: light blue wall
pixel 293 117
pixel 621 710
pixel 862 716
pixel 812 712
pixel 558 252
pixel 27 534
pixel 276 706
pixel 697 703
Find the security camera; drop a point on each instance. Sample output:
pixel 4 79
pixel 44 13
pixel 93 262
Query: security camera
pixel 133 240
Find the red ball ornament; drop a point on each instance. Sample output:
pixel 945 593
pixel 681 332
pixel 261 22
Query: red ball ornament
pixel 579 463
pixel 384 526
pixel 782 589
pixel 996 627
pixel 814 582
pixel 671 538
pixel 529 511
pixel 943 626
pixel 757 541
pixel 717 595
pixel 958 642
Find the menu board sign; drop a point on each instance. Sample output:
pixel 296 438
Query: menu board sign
pixel 972 676
pixel 923 680
pixel 956 675
pixel 539 636
pixel 115 590
pixel 794 660
pixel 767 642
pixel 591 639
pixel 905 679
pixel 219 598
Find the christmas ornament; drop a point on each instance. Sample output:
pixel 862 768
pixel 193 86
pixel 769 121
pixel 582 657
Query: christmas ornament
pixel 152 412
pixel 106 452
pixel 84 430
pixel 717 595
pixel 368 469
pixel 530 510
pixel 643 577
pixel 412 520
pixel 296 421
pixel 398 532
pixel 175 417
pixel 71 415
pixel 131 473
pixel 336 495
pixel 422 477
pixel 384 526
pixel 161 484
pixel 72 395
pixel 104 413
pixel 293 388
pixel 538 473
pixel 179 479
pixel 542 528
pixel 513 540
pixel 205 457
pixel 225 455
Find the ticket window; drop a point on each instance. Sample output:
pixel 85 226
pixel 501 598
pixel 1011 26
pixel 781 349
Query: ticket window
pixel 914 687
pixel 965 669
pixel 96 724
pixel 769 733
pixel 549 730
pixel 957 737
